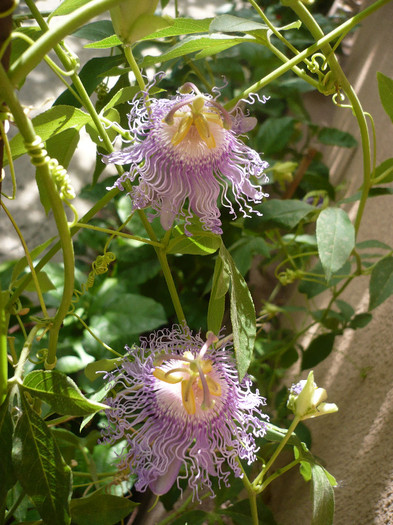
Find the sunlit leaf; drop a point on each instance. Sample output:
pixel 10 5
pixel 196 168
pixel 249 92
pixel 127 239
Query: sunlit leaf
pixel 381 282
pixel 242 311
pixel 336 239
pixel 385 86
pixel 60 392
pixel 322 496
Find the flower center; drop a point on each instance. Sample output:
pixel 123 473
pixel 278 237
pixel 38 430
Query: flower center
pixel 193 373
pixel 197 115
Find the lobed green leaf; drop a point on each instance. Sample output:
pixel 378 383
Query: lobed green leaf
pixel 200 243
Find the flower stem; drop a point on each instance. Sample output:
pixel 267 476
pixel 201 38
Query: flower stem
pixel 134 66
pixel 258 480
pixel 161 255
pixel 252 494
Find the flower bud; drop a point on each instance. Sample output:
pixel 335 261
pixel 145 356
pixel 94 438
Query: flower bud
pixel 306 400
pixel 133 19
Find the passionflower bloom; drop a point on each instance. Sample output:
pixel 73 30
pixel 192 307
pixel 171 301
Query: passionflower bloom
pixel 185 151
pixel 179 404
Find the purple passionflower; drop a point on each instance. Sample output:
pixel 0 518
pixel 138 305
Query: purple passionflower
pixel 179 404
pixel 185 150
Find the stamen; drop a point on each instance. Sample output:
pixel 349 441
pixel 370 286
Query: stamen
pixel 188 396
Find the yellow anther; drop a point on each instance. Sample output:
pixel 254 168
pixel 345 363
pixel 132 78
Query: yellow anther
pixel 200 117
pixel 182 130
pixel 202 126
pixel 188 396
pixel 214 388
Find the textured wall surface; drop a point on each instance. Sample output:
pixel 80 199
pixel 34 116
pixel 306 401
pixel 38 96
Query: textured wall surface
pixel 356 443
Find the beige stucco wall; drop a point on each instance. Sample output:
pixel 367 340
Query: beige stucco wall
pixel 357 442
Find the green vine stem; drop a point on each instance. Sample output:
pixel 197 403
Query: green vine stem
pixel 252 494
pixel 342 29
pixel 29 260
pixel 115 233
pixel 98 206
pixel 41 161
pixel 161 254
pixel 341 82
pixel 35 53
pixel 3 348
pixel 257 483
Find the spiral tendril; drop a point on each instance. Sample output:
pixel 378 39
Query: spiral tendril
pixel 98 267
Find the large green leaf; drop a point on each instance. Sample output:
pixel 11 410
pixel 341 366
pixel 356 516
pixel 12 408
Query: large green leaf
pixel 69 6
pixel 318 350
pixel 91 76
pixel 94 31
pixel 208 45
pixel 336 137
pixel 181 26
pixel 322 496
pixel 381 282
pixel 315 283
pixel 275 134
pixel 335 238
pixel 63 145
pixel 40 468
pixel 242 311
pixel 235 24
pixel 277 213
pixel 50 123
pixel 60 392
pixel 100 509
pixel 7 475
pixel 200 243
pixel 385 87
pixel 384 171
pixel 220 286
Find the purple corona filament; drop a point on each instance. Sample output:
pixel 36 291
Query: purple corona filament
pixel 185 153
pixel 182 412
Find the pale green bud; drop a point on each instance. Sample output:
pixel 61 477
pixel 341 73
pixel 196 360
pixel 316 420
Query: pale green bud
pixel 306 400
pixel 134 19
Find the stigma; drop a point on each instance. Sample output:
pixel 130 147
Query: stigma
pixel 199 114
pixel 193 376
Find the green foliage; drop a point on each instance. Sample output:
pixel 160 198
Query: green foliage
pixel 39 466
pixel 130 274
